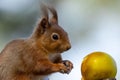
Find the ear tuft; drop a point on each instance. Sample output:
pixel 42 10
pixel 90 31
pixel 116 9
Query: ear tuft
pixel 54 18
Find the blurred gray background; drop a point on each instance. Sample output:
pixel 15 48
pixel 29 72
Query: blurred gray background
pixel 92 25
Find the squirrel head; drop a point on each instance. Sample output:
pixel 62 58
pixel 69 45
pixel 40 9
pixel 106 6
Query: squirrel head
pixel 49 35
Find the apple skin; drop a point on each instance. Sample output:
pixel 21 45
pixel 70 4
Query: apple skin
pixel 98 66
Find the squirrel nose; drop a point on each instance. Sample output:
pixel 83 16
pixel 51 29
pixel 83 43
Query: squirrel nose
pixel 68 47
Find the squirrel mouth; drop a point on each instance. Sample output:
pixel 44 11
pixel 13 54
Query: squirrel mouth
pixel 60 51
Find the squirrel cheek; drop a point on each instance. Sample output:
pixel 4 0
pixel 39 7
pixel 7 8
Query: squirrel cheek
pixel 53 47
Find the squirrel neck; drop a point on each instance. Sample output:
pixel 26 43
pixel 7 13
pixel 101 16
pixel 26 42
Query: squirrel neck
pixel 39 48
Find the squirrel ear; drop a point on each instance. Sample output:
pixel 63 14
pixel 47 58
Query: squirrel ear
pixel 54 18
pixel 43 25
pixel 41 28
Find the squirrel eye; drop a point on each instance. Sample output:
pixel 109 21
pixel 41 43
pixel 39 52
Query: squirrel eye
pixel 55 36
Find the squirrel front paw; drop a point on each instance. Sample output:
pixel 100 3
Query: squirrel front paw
pixel 64 67
pixel 68 65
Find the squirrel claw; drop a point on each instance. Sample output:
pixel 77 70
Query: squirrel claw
pixel 62 71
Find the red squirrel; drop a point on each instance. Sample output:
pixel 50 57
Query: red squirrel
pixel 38 55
